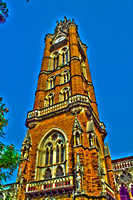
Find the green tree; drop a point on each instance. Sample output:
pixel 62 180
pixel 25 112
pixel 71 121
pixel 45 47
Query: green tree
pixel 3 12
pixel 9 156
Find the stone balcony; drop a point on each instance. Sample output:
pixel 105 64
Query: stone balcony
pixel 35 116
pixel 50 187
pixel 59 106
pixel 74 102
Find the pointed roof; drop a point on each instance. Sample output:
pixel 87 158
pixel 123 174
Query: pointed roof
pixel 27 139
pixel 77 125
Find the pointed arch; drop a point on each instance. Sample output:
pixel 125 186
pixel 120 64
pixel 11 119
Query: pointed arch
pixel 52 151
pixel 65 93
pixel 54 60
pixel 65 76
pixel 65 55
pixel 49 100
pixel 59 171
pixel 50 82
pixel 48 174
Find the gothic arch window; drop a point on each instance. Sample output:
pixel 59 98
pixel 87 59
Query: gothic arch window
pixel 51 82
pixel 48 174
pixel 52 153
pixel 65 55
pixel 49 100
pixel 59 171
pixel 53 61
pixel 64 94
pixel 65 76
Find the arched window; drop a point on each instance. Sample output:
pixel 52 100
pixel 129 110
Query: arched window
pixel 65 76
pixel 55 60
pixel 65 55
pixel 59 172
pixel 65 94
pixel 49 100
pixel 51 82
pixel 47 174
pixel 51 153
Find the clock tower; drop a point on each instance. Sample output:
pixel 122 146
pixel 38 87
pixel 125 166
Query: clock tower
pixel 63 153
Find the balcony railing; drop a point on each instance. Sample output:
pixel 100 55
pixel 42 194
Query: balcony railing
pixel 59 106
pixel 36 115
pixel 50 185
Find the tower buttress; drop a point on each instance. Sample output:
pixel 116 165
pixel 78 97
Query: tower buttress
pixel 76 73
pixel 42 80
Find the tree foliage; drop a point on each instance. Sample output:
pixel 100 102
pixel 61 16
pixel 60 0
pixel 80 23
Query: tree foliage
pixel 3 11
pixel 9 156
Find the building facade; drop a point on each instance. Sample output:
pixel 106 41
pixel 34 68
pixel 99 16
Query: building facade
pixel 123 171
pixel 63 153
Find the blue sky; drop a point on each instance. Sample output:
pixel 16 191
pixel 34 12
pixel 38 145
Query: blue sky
pixel 106 27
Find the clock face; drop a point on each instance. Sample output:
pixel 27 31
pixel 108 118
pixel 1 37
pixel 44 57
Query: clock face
pixel 59 39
